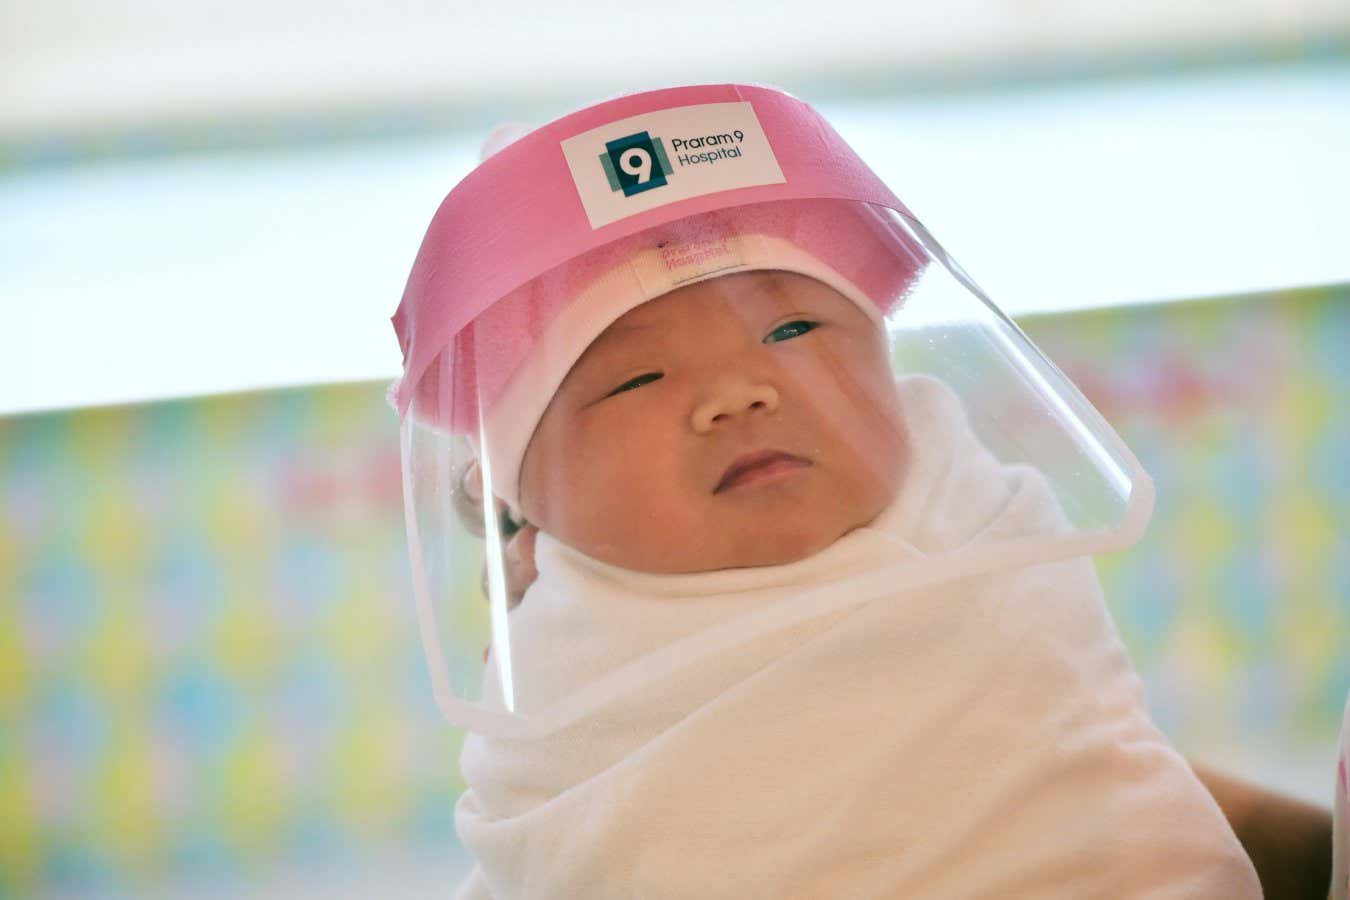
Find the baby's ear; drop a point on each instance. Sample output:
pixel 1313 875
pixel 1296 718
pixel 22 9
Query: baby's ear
pixel 471 480
pixel 466 497
pixel 468 503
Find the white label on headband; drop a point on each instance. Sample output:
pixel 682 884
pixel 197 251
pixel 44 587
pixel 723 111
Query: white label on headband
pixel 646 161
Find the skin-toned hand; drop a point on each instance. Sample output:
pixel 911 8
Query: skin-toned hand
pixel 518 552
pixel 1289 841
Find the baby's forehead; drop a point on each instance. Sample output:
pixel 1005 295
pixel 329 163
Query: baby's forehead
pixel 740 294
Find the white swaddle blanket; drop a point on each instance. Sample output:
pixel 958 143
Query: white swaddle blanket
pixel 985 737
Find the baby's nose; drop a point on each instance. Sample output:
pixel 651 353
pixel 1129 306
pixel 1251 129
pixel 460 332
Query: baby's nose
pixel 730 397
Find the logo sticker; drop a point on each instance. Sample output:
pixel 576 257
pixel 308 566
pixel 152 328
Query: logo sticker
pixel 635 163
pixel 646 161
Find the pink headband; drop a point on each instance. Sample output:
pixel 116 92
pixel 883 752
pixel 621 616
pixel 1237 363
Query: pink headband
pixel 536 223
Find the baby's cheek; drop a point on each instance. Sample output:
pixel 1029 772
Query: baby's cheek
pixel 629 471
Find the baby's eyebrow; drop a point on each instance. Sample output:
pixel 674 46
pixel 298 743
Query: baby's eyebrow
pixel 627 327
pixel 618 340
pixel 602 357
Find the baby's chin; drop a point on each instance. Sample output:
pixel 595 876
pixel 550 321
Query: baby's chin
pixel 782 544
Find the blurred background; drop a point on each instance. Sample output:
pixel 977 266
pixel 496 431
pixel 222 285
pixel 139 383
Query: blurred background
pixel 210 681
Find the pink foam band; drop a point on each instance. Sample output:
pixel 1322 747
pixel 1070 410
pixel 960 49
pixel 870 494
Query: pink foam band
pixel 518 215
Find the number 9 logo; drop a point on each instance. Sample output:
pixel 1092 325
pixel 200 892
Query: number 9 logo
pixel 636 161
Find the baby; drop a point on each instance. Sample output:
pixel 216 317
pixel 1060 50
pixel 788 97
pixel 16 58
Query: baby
pixel 859 654
pixel 721 448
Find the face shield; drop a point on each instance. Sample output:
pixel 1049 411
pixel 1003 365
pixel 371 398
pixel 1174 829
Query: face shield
pixel 736 386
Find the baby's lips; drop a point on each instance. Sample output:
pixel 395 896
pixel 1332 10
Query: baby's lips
pixel 748 461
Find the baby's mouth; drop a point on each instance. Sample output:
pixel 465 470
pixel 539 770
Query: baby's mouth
pixel 760 463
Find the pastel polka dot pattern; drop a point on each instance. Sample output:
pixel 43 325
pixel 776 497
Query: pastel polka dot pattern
pixel 1236 603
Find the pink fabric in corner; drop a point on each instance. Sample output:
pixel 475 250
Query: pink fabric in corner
pixel 518 216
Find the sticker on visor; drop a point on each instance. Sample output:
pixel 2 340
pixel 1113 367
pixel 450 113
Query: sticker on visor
pixel 646 161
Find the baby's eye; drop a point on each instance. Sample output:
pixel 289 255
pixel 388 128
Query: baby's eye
pixel 789 330
pixel 634 382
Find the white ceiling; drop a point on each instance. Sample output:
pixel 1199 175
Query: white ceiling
pixel 77 66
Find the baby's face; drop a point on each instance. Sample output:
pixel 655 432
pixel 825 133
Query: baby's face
pixel 646 456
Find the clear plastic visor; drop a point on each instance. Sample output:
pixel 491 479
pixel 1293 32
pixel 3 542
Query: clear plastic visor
pixel 769 439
